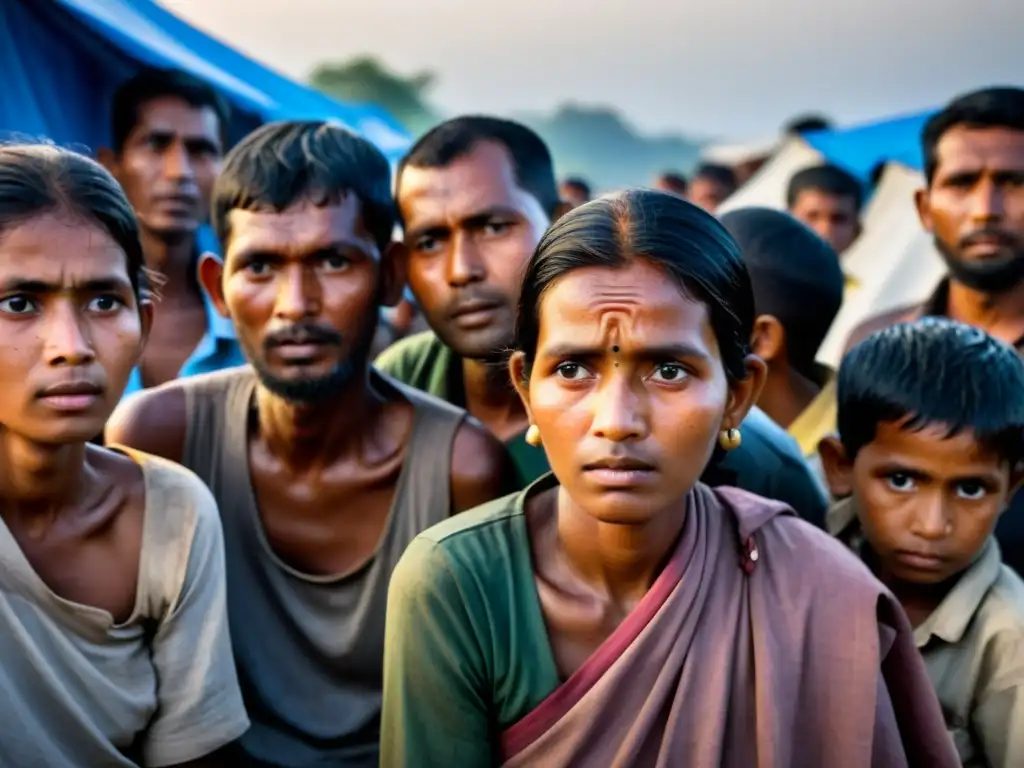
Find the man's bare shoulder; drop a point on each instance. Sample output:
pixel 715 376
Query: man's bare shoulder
pixel 482 468
pixel 155 420
pixel 878 322
pixel 152 421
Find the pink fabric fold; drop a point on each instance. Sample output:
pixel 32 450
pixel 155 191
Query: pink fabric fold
pixel 763 644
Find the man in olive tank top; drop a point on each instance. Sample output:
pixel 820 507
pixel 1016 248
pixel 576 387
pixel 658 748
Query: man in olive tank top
pixel 323 468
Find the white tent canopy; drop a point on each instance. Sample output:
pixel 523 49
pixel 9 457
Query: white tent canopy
pixel 736 154
pixel 767 187
pixel 894 262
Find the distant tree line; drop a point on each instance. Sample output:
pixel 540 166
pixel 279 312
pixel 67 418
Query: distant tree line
pixel 597 143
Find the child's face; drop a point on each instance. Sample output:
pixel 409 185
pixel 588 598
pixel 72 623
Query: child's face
pixel 927 502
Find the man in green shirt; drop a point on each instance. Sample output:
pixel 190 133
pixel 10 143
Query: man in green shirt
pixel 475 196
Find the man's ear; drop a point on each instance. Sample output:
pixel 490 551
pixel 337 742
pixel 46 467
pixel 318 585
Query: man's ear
pixel 837 466
pixel 922 201
pixel 743 394
pixel 211 277
pixel 394 265
pixel 769 339
pixel 517 372
pixel 146 313
pixel 1016 479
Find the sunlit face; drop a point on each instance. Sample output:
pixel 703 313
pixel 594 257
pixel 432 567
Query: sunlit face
pixel 833 217
pixel 303 287
pixel 470 229
pixel 975 204
pixel 573 195
pixel 707 193
pixel 169 164
pixel 628 390
pixel 927 502
pixel 70 328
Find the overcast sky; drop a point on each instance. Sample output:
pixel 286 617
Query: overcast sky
pixel 734 69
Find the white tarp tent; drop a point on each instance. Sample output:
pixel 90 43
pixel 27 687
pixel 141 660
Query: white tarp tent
pixel 767 187
pixel 894 262
pixel 736 154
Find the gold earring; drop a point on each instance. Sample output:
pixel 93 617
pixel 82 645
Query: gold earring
pixel 533 436
pixel 730 439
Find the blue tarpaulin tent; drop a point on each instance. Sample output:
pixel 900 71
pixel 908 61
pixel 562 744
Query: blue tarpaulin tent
pixel 62 59
pixel 860 148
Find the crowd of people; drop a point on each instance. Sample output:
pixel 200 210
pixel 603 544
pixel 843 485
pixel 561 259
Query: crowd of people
pixel 304 462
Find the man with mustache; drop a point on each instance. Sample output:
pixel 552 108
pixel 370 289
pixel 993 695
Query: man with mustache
pixel 168 132
pixel 323 469
pixel 475 195
pixel 973 204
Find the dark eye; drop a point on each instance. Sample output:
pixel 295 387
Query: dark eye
pixel 427 244
pixel 336 262
pixel 257 268
pixel 17 305
pixel 901 482
pixel 971 490
pixel 669 372
pixel 571 371
pixel 496 228
pixel 105 304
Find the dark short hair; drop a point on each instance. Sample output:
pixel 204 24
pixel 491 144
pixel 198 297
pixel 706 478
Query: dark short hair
pixel 282 163
pixel 933 372
pixel 795 276
pixel 453 139
pixel 802 124
pixel 1001 107
pixel 675 181
pixel 720 174
pixel 579 184
pixel 827 178
pixel 37 179
pixel 677 236
pixel 153 83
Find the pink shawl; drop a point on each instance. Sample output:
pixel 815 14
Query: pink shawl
pixel 773 648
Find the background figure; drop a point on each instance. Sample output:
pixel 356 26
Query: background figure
pixel 710 185
pixel 808 123
pixel 575 191
pixel 828 200
pixel 168 130
pixel 672 181
pixel 798 290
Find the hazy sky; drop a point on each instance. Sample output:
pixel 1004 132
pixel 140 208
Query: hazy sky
pixel 729 68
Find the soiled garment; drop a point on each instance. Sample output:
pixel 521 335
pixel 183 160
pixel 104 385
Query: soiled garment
pixel 762 644
pixel 158 689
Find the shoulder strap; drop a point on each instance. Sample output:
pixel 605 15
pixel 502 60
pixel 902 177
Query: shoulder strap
pixel 425 487
pixel 213 403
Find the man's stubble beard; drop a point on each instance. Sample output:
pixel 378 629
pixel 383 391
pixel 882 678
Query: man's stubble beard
pixel 321 389
pixel 989 276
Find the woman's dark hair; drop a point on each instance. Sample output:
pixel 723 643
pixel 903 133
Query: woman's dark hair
pixel 678 237
pixel 37 179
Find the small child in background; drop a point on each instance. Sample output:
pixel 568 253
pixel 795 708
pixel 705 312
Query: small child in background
pixel 930 447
